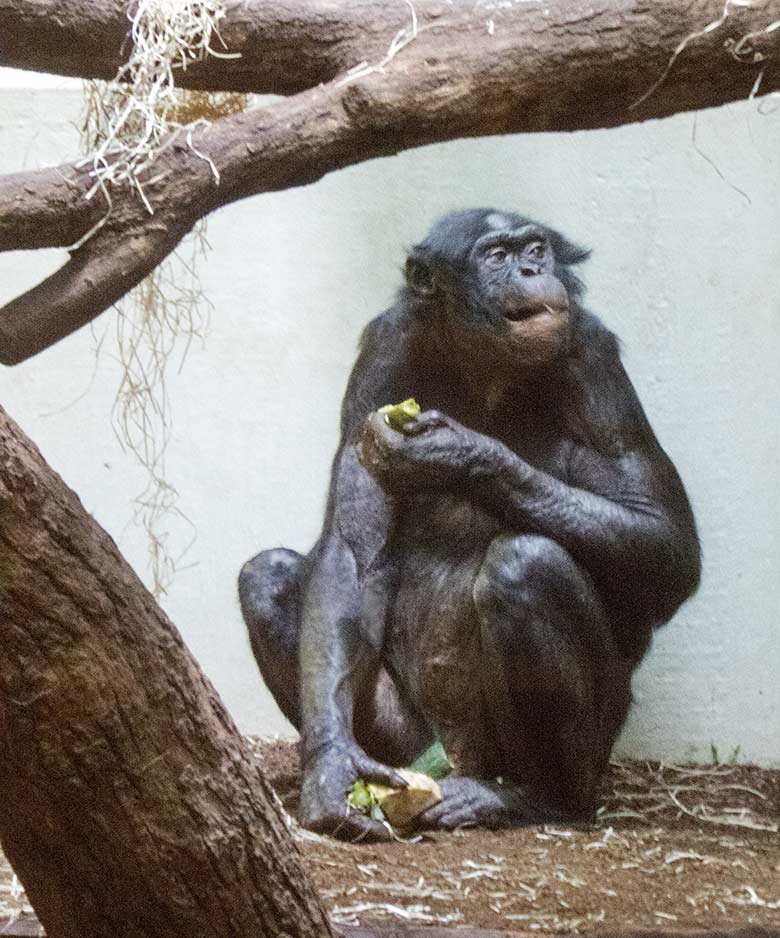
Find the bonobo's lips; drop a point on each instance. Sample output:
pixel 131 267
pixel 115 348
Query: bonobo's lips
pixel 527 312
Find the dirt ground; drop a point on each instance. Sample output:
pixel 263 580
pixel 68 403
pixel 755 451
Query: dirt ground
pixel 678 846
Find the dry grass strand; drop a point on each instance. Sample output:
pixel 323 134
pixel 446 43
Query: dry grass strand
pixel 127 123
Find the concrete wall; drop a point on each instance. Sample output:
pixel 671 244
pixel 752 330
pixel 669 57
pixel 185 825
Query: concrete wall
pixel 683 219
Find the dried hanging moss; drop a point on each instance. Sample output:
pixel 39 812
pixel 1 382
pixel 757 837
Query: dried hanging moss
pixel 125 124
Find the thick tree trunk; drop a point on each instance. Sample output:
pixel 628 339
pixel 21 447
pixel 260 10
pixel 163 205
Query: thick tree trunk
pixel 129 805
pixel 470 68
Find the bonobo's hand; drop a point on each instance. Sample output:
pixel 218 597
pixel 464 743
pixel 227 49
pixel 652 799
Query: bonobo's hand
pixel 432 451
pixel 327 781
pixel 472 803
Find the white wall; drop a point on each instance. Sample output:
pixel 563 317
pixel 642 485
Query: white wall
pixel 686 268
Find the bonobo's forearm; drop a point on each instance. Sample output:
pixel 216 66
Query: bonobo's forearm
pixel 638 537
pixel 333 661
pixel 334 657
pixel 331 652
pixel 602 533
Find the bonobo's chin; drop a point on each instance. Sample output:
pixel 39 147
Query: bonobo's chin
pixel 539 336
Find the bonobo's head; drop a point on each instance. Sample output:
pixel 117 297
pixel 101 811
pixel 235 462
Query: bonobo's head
pixel 497 284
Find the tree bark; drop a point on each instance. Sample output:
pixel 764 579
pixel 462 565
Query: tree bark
pixel 471 69
pixel 129 804
pixel 286 46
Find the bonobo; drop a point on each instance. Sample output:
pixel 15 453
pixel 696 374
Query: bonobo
pixel 492 575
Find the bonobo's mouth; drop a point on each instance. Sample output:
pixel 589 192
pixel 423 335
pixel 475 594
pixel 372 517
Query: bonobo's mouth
pixel 518 315
pixel 528 312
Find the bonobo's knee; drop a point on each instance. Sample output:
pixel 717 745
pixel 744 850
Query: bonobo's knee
pixel 518 569
pixel 533 580
pixel 265 580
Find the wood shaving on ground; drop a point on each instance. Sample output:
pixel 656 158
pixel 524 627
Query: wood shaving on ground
pixel 673 847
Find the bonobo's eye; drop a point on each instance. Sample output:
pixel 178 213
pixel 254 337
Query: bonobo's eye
pixel 537 250
pixel 496 257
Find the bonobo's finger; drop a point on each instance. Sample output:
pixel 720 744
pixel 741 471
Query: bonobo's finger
pixel 362 829
pixel 450 820
pixel 373 771
pixel 352 826
pixel 429 420
pixel 431 817
pixel 380 430
pixel 456 807
pixel 446 815
pixel 427 820
pixel 374 445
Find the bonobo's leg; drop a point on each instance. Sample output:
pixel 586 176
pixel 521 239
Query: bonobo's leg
pixel 550 676
pixel 269 588
pixel 555 689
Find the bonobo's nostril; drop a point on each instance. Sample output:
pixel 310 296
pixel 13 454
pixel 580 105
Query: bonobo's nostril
pixel 528 271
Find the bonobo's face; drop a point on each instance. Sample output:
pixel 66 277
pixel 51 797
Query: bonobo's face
pixel 498 288
pixel 516 288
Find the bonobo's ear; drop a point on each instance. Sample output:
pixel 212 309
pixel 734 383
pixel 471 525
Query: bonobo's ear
pixel 565 251
pixel 566 255
pixel 419 276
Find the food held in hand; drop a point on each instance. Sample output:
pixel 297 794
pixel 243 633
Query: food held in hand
pixel 399 415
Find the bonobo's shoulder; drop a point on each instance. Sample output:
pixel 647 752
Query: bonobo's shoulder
pixel 605 410
pixel 592 339
pixel 391 323
pixel 384 343
pixel 380 374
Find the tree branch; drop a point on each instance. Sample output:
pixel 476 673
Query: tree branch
pixel 95 277
pixel 286 46
pixel 473 70
pixel 45 208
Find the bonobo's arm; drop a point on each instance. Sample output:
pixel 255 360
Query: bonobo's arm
pixel 336 656
pixel 336 653
pixel 623 514
pixel 631 533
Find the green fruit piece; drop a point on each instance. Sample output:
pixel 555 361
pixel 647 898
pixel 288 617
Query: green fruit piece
pixel 399 415
pixel 360 798
pixel 365 796
pixel 434 762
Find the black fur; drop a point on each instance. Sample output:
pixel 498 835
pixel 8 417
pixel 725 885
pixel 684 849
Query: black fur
pixel 493 577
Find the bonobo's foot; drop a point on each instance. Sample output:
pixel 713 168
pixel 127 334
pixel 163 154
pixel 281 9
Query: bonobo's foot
pixel 478 803
pixel 326 783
